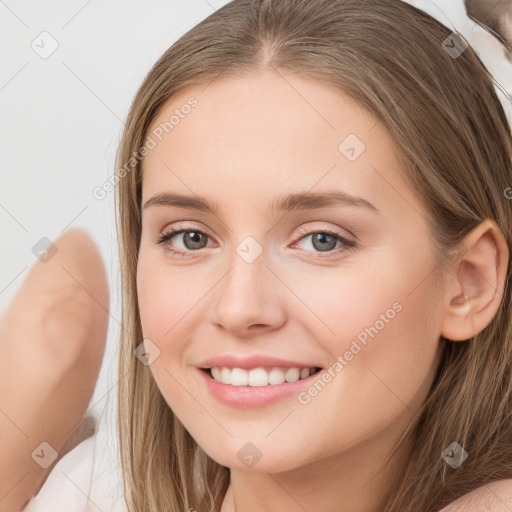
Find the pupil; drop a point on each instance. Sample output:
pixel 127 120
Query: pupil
pixel 321 238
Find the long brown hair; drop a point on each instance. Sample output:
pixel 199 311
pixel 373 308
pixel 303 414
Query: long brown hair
pixel 449 128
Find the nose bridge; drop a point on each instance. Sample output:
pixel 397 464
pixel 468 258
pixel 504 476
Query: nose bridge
pixel 247 278
pixel 246 296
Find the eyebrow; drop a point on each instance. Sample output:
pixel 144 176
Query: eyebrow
pixel 283 203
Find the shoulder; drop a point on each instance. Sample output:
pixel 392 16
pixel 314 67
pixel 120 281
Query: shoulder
pixel 495 496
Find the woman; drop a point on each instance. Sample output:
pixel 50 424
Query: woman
pixel 315 238
pixel 321 96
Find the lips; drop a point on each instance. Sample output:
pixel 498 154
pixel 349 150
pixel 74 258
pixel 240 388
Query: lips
pixel 242 396
pixel 248 363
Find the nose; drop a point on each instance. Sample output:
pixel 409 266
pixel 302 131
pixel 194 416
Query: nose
pixel 249 299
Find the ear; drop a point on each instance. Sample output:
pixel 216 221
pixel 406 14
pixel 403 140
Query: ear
pixel 475 291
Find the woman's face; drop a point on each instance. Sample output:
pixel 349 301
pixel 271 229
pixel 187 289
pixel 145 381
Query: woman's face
pixel 266 275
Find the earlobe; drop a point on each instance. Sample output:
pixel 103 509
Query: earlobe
pixel 476 291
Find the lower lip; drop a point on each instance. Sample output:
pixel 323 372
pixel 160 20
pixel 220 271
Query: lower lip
pixel 254 396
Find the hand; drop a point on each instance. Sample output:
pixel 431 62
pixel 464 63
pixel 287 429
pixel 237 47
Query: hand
pixel 52 340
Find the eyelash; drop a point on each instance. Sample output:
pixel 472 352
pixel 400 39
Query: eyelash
pixel 349 244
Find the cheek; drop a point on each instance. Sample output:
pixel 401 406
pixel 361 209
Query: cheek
pixel 405 352
pixel 167 297
pixel 383 301
pixel 380 323
pixel 171 305
pixel 386 340
pixel 163 307
pixel 152 294
pixel 384 347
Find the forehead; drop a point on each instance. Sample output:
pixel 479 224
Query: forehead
pixel 247 138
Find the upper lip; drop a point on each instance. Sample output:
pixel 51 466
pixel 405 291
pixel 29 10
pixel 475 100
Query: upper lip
pixel 251 362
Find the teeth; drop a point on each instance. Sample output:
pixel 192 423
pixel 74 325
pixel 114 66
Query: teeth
pixel 258 377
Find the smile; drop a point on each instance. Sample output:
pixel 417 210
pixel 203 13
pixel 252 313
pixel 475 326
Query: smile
pixel 261 376
pixel 240 393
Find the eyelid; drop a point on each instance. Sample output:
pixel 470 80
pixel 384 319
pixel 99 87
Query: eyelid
pixel 303 231
pixel 334 231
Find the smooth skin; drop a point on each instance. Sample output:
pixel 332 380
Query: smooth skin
pixel 249 139
pixel 52 340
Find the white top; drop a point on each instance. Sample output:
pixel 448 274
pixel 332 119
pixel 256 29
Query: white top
pixel 87 479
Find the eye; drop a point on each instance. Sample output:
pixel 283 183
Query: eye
pixel 194 238
pixel 326 240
